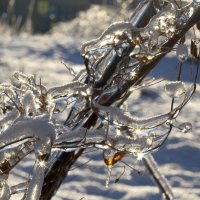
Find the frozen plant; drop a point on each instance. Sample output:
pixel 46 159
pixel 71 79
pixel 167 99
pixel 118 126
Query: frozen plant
pixel 116 64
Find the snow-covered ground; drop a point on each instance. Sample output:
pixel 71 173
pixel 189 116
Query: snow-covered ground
pixel 179 158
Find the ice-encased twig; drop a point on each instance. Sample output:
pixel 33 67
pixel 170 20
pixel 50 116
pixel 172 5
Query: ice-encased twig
pixel 158 177
pixel 117 26
pixel 80 137
pixel 35 186
pixel 19 188
pixel 73 87
pixel 10 157
pixel 126 118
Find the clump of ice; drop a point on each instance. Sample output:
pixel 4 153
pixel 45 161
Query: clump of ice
pixel 175 89
pixel 185 127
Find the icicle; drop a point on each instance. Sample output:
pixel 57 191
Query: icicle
pixel 109 168
pixel 108 155
pixel 175 89
pixel 182 52
pixel 185 127
pixel 110 158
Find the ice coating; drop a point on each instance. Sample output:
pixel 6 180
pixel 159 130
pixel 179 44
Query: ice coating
pixel 185 127
pixel 175 89
pixel 182 52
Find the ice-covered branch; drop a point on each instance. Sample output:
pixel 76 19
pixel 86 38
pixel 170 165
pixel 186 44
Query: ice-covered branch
pixel 116 63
